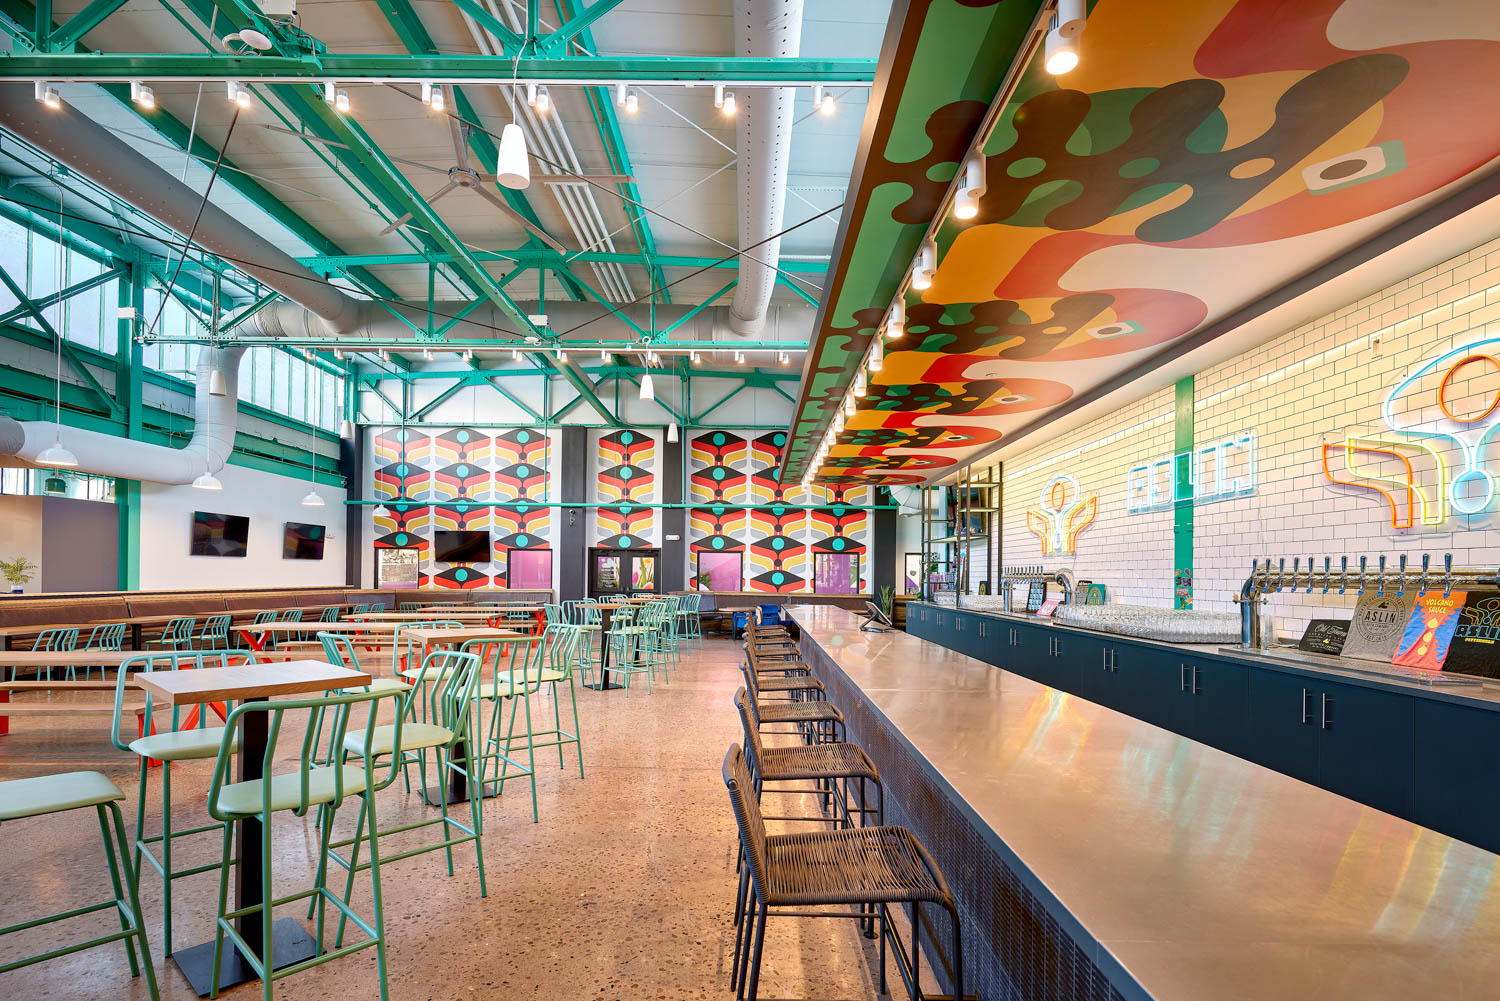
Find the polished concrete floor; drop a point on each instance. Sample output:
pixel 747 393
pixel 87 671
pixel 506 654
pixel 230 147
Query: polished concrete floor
pixel 623 890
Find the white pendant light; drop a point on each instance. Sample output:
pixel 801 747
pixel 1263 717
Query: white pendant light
pixel 381 511
pixel 312 499
pixel 346 429
pixel 648 388
pixel 672 432
pixel 216 386
pixel 55 455
pixel 208 481
pixel 513 169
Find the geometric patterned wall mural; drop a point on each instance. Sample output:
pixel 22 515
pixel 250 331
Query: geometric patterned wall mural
pixel 741 508
pixel 626 467
pixel 462 479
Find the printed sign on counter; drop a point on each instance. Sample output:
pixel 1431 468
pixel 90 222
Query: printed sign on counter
pixel 1379 620
pixel 1429 630
pixel 1324 636
pixel 1476 642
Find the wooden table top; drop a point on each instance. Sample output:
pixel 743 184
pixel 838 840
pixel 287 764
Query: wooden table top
pixel 250 681
pixel 423 616
pixel 342 625
pixel 438 635
pixel 151 620
pixel 66 658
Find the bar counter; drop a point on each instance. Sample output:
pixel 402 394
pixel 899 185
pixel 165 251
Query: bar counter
pixel 1096 855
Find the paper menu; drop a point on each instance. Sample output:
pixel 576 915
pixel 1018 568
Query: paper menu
pixel 1429 630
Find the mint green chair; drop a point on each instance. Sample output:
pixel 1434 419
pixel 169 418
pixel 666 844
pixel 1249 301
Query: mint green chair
pixel 446 682
pixel 629 646
pixel 215 633
pixel 298 792
pixel 178 634
pixel 53 640
pixel 48 794
pixel 689 622
pixel 548 662
pixel 172 734
pixel 338 649
pixel 106 636
pixel 585 615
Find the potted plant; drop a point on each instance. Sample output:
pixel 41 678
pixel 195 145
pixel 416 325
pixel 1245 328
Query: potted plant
pixel 887 599
pixel 701 581
pixel 18 572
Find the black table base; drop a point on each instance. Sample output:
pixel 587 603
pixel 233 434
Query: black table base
pixel 290 944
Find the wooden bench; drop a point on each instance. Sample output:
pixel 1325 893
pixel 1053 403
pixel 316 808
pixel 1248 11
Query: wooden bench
pixel 135 706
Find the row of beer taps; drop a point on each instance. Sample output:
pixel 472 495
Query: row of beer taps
pixel 1278 580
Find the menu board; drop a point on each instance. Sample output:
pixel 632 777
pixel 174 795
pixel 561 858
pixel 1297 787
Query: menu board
pixel 1048 607
pixel 1476 642
pixel 1379 620
pixel 397 568
pixel 1095 594
pixel 1035 595
pixel 1324 636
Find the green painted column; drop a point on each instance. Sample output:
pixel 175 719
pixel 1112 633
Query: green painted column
pixel 1182 493
pixel 132 295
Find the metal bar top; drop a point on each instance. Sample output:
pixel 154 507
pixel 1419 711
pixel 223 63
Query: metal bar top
pixel 1199 875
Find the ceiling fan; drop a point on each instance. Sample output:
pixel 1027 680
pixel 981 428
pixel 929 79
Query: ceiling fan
pixel 463 175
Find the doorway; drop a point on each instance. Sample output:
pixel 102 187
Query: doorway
pixel 623 571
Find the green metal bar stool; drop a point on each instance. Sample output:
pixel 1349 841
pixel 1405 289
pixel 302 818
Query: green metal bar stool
pixel 446 682
pixel 48 794
pixel 179 734
pixel 298 792
pixel 551 665
pixel 689 625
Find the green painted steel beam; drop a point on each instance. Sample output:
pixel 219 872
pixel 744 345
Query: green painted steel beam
pixel 554 43
pixel 481 14
pixel 534 258
pixel 82 23
pixel 741 71
pixel 60 344
pixel 497 387
pixel 49 300
pixel 802 293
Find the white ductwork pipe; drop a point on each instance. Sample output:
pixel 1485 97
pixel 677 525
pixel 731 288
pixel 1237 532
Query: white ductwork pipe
pixel 763 28
pixel 108 455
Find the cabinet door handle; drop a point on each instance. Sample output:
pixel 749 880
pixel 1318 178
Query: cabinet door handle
pixel 1196 689
pixel 1182 677
pixel 1104 656
pixel 1114 659
pixel 1327 712
pixel 1057 647
pixel 1306 711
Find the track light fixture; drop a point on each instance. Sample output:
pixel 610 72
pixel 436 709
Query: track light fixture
pixel 877 355
pixel 895 324
pixel 426 91
pixel 47 94
pixel 849 404
pixel 718 95
pixel 729 105
pixel 341 102
pixel 468 354
pixel 438 102
pixel 562 356
pixel 543 100
pixel 142 94
pixel 861 384
pixel 925 266
pixel 330 89
pixel 739 357
pixel 515 354
pixel 237 93
pixel 966 204
pixel 694 357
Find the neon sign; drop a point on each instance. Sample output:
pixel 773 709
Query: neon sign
pixel 1470 490
pixel 1058 521
pixel 1210 473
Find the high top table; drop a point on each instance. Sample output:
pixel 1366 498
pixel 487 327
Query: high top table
pixel 249 682
pixel 1084 846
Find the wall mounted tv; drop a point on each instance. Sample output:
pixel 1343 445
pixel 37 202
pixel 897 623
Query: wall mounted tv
pixel 461 547
pixel 303 542
pixel 219 534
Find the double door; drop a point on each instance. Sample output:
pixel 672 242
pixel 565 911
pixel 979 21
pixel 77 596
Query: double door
pixel 623 571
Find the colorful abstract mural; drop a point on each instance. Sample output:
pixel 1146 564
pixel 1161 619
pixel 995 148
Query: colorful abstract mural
pixel 462 479
pixel 775 527
pixel 1130 204
pixel 626 480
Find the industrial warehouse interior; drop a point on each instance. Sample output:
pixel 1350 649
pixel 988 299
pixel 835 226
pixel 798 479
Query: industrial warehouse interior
pixel 502 498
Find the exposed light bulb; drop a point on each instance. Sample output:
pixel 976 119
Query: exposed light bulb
pixel 341 101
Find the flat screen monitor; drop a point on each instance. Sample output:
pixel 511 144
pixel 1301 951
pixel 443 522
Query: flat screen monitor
pixel 461 547
pixel 219 534
pixel 302 541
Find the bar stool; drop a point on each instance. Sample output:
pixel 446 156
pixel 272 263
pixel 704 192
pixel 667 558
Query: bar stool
pixel 810 717
pixel 48 794
pixel 860 866
pixel 690 626
pixel 819 763
pixel 184 735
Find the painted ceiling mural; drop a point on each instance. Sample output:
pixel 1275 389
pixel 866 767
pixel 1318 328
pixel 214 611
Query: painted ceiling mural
pixel 1203 154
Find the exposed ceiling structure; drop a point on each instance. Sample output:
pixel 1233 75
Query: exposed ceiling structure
pixel 1203 156
pixel 645 186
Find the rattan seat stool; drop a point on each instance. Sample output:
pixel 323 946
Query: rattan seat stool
pixel 860 866
pixel 813 717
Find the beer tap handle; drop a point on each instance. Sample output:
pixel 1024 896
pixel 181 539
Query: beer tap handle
pixel 1280 574
pixel 1296 563
pixel 1380 581
pixel 1343 574
pixel 1327 564
pixel 1401 577
pixel 1422 587
pixel 1309 576
pixel 1362 561
pixel 1447 574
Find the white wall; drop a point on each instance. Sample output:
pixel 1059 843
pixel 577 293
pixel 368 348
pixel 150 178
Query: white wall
pixel 1315 384
pixel 269 501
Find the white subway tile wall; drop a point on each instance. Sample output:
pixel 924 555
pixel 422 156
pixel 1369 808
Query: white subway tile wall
pixel 1318 383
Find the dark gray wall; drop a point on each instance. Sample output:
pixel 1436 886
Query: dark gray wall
pixel 80 545
pixel 883 546
pixel 673 520
pixel 572 536
pixel 352 467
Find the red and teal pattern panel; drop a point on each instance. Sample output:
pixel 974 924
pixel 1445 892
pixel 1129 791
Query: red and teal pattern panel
pixel 626 479
pixel 462 479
